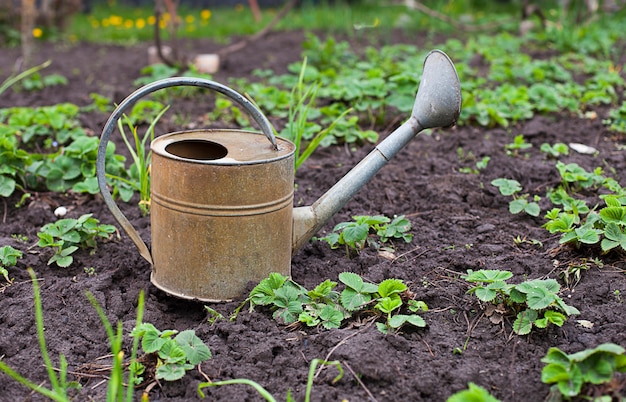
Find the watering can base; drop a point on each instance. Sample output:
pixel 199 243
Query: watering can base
pixel 180 295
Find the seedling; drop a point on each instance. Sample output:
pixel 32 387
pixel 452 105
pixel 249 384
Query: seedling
pixel 555 150
pixel 535 301
pixel 140 150
pixel 519 143
pixel 508 187
pixel 66 236
pixel 175 354
pixel 588 368
pixel 302 103
pixel 354 235
pixel 8 258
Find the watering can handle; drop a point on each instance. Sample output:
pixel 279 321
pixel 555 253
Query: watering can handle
pixel 256 114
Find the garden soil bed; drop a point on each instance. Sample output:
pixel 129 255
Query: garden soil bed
pixel 459 221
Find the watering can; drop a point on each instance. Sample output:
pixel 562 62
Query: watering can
pixel 222 211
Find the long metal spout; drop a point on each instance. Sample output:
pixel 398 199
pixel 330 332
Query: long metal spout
pixel 437 104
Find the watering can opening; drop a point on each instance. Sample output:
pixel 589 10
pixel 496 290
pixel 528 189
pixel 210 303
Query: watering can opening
pixel 197 149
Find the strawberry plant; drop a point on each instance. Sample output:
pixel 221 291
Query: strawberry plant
pixel 535 302
pixel 176 352
pixel 519 203
pixel 66 236
pixel 8 258
pixel 585 369
pixel 519 143
pixel 354 235
pixel 291 303
pixel 554 150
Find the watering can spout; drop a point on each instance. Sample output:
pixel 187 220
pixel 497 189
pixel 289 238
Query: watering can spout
pixel 437 104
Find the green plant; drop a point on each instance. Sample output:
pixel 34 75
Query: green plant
pixel 508 187
pixel 606 227
pixel 291 302
pixel 12 80
pixel 519 143
pixel 8 258
pixel 265 394
pixel 116 385
pixel 587 368
pixel 301 105
pixel 66 236
pixel 140 151
pixel 535 302
pixel 554 150
pixel 355 234
pixel 36 81
pixel 474 393
pixel 175 354
pixel 59 383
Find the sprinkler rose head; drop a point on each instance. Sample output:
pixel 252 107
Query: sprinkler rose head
pixel 438 100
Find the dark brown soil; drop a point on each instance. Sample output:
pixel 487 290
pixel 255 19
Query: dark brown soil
pixel 460 222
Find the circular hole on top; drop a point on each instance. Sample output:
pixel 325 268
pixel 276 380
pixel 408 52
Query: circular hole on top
pixel 197 149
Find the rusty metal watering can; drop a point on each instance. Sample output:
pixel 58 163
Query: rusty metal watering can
pixel 222 210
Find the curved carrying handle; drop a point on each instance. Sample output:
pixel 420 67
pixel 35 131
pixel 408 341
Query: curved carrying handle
pixel 256 114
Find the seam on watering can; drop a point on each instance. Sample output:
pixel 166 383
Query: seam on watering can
pixel 223 210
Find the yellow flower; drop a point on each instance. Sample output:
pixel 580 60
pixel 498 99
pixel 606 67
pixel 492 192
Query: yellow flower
pixel 189 19
pixel 239 8
pixel 205 14
pixel 128 24
pixel 140 23
pixel 115 20
pixel 151 20
pixel 37 32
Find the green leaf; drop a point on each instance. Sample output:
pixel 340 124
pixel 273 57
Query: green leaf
pixel 391 286
pixel 487 275
pixel 170 372
pixel 554 373
pixel 524 322
pixel 381 327
pixel 152 341
pixel 352 300
pixel 322 290
pixel 539 298
pixel 574 384
pixel 532 209
pixel 614 237
pixel 194 348
pixel 484 293
pixel 388 304
pixel 7 186
pixel 416 320
pixel 331 317
pixel 518 205
pixel 351 280
pixel 556 356
pixel 263 293
pixel 587 235
pixel 507 186
pixel 171 353
pixel 555 317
